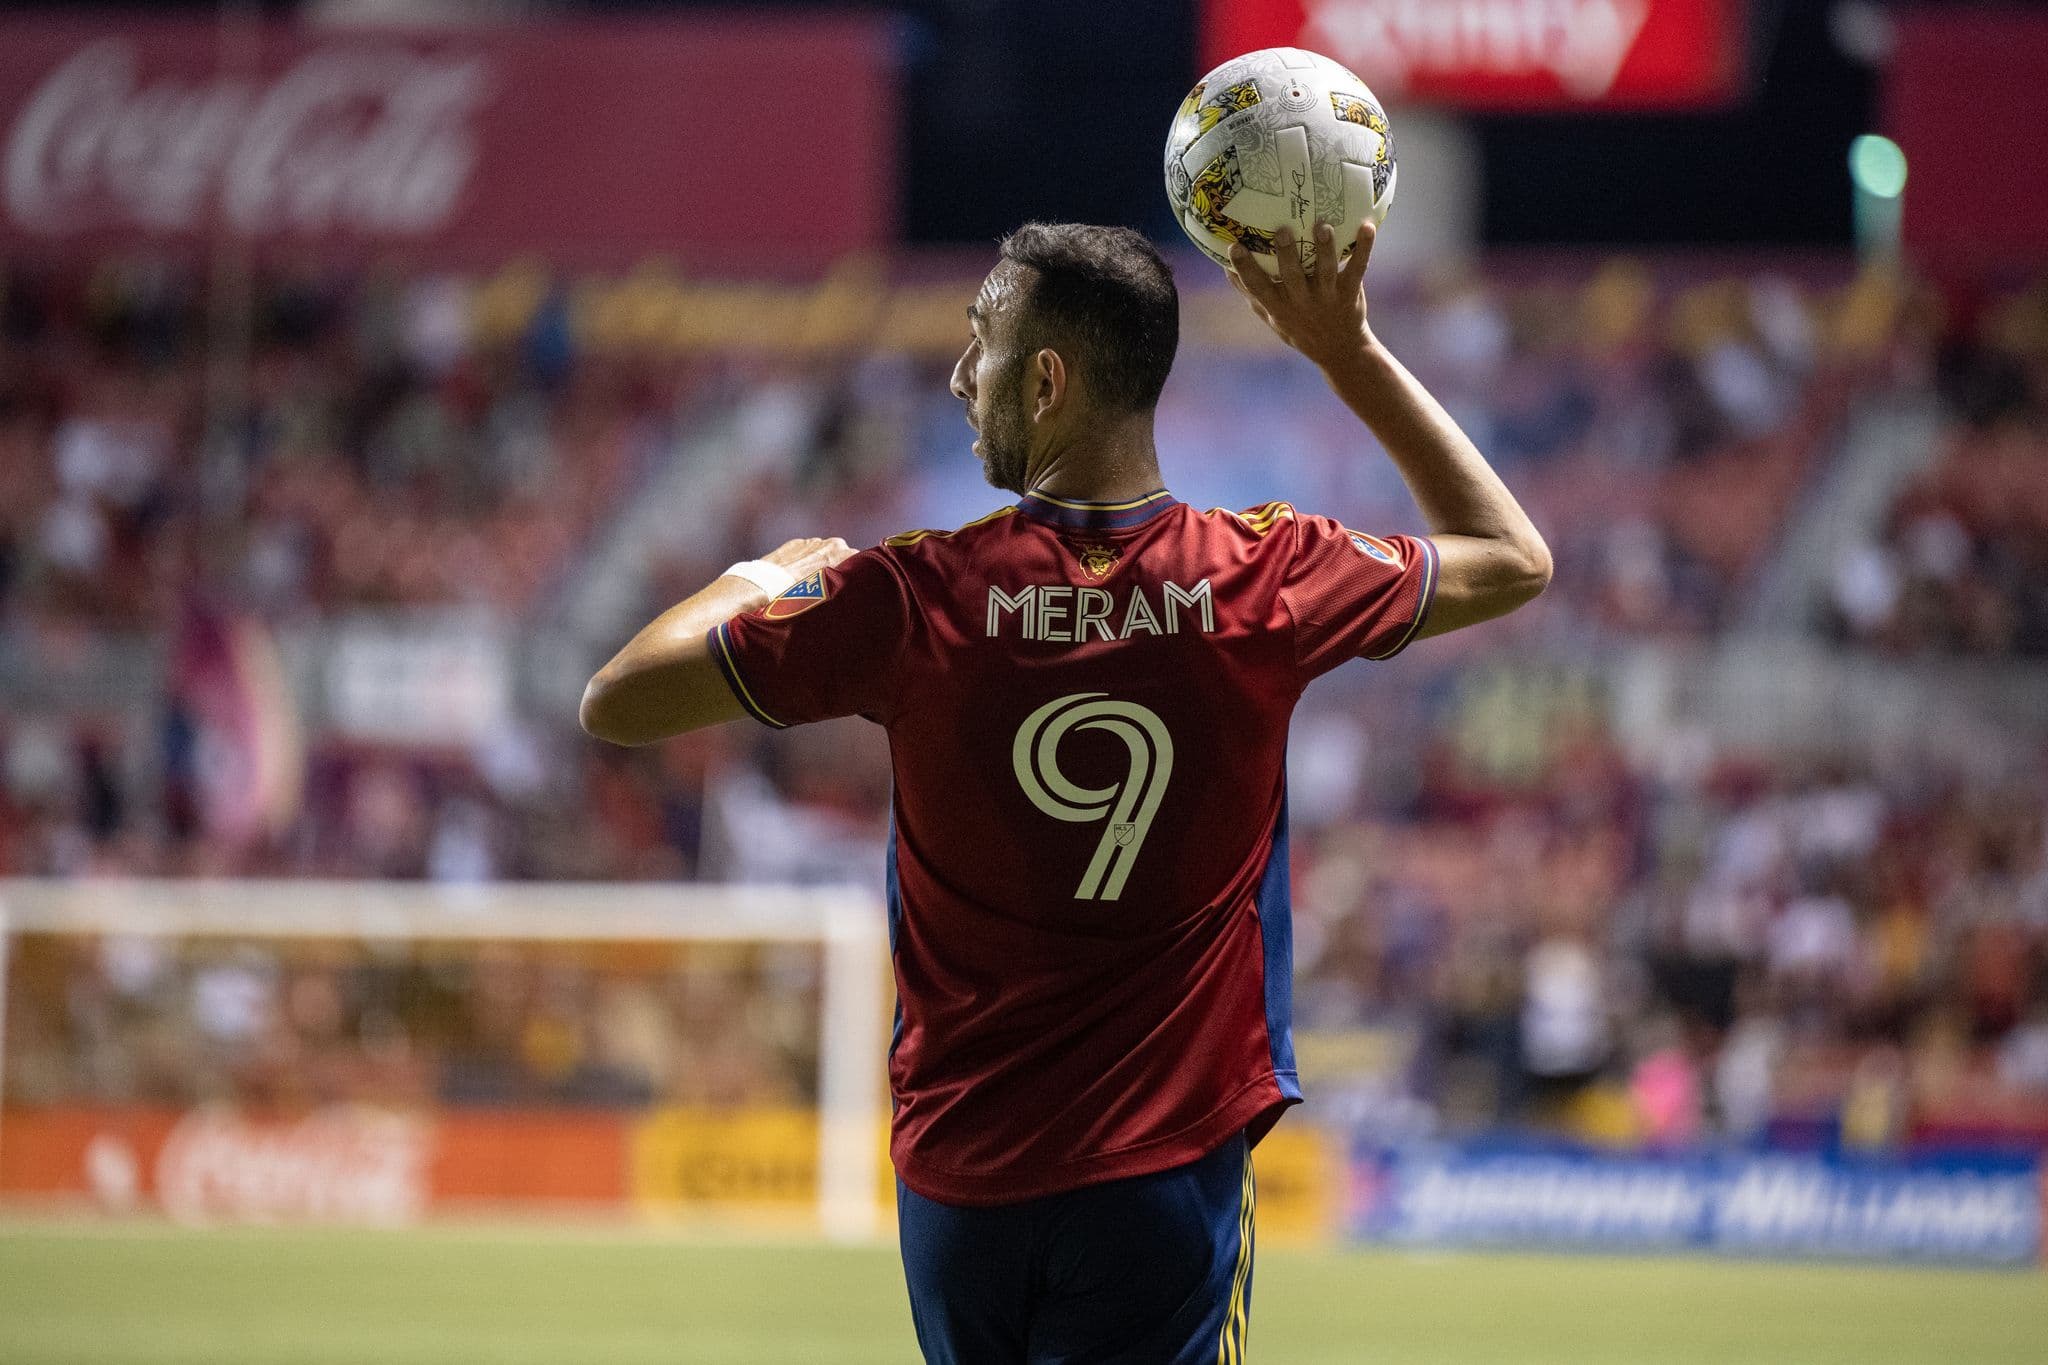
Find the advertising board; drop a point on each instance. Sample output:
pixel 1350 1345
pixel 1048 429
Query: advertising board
pixel 1533 55
pixel 1981 1209
pixel 1976 193
pixel 588 140
pixel 383 1167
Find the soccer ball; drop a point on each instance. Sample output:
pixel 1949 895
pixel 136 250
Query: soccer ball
pixel 1278 136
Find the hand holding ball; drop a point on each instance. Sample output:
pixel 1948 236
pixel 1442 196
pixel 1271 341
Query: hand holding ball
pixel 1278 137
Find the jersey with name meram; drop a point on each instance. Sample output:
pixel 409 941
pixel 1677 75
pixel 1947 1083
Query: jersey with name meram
pixel 1087 710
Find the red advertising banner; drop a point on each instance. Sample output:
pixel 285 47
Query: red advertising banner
pixel 1550 55
pixel 337 1165
pixel 729 142
pixel 1964 97
pixel 348 1164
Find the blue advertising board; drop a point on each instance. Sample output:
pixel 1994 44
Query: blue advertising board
pixel 1960 1209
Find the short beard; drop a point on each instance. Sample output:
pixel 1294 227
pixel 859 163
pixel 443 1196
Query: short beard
pixel 1004 463
pixel 1005 446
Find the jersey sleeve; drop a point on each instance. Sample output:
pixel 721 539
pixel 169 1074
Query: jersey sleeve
pixel 1352 595
pixel 826 648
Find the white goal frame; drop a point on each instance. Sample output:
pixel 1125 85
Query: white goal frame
pixel 849 925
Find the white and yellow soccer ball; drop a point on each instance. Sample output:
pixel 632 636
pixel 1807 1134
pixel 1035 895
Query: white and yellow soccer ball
pixel 1278 136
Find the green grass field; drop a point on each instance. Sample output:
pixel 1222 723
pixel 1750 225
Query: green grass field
pixel 126 1295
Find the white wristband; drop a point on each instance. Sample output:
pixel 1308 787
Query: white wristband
pixel 772 579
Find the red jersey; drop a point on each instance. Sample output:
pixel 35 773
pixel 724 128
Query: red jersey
pixel 1087 708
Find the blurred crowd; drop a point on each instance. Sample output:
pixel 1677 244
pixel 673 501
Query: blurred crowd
pixel 1509 917
pixel 1732 947
pixel 284 1025
pixel 1744 948
pixel 336 444
pixel 1960 565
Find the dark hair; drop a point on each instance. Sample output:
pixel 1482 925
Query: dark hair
pixel 1105 293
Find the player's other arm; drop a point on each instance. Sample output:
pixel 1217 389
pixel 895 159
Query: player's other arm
pixel 665 682
pixel 1491 557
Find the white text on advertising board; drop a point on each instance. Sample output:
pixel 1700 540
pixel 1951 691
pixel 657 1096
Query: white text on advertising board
pixel 337 1166
pixel 371 139
pixel 1581 43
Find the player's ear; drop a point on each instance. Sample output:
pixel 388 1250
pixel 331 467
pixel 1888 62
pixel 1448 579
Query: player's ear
pixel 1049 383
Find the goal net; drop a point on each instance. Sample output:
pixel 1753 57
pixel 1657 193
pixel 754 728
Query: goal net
pixel 382 1052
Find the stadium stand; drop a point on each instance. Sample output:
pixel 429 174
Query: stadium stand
pixel 1655 940
pixel 1960 565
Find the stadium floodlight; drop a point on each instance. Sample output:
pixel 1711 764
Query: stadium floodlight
pixel 1877 169
pixel 1878 165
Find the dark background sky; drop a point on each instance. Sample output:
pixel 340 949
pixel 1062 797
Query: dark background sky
pixel 1018 109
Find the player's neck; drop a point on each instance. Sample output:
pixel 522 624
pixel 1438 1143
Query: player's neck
pixel 1113 465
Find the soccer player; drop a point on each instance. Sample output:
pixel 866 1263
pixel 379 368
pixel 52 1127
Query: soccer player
pixel 1087 696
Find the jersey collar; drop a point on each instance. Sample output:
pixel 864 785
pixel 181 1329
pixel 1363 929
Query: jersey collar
pixel 1097 516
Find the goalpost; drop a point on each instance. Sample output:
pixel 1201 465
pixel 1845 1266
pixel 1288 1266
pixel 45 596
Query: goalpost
pixel 658 930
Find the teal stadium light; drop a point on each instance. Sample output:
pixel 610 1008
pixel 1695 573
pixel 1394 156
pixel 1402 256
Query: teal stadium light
pixel 1877 169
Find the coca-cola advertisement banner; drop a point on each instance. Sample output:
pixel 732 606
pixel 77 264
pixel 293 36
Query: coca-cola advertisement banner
pixel 723 141
pixel 343 1164
pixel 1538 55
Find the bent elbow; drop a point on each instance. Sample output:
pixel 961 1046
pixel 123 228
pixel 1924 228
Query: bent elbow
pixel 596 714
pixel 1536 567
pixel 1525 573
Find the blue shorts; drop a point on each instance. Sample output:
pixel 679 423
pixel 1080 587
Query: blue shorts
pixel 1153 1270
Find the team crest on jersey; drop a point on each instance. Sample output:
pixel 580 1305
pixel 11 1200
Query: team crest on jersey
pixel 1098 560
pixel 801 598
pixel 1375 548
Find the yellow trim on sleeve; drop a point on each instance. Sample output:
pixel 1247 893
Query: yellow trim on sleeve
pixel 1260 519
pixel 904 538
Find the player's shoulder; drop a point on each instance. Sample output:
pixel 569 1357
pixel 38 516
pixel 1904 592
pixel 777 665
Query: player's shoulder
pixel 1253 523
pixel 1282 524
pixel 929 539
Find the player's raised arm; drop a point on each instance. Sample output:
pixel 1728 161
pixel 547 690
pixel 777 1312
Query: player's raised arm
pixel 1492 557
pixel 665 682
